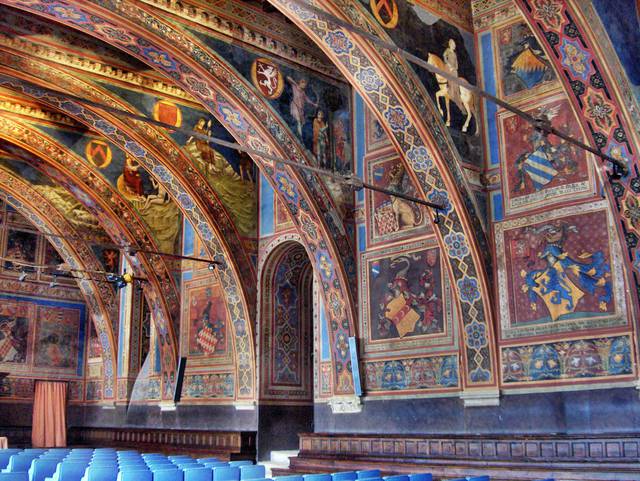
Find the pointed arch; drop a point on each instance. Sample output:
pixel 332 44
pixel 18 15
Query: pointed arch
pixel 252 121
pixel 78 255
pixel 398 99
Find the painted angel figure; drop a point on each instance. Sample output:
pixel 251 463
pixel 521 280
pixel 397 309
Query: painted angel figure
pixel 299 100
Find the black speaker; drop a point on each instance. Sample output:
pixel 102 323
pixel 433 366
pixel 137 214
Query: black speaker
pixel 182 364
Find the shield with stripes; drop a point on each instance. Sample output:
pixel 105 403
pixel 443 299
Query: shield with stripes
pixel 539 168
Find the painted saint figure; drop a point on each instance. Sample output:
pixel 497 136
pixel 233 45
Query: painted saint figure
pixel 299 100
pixel 321 140
pixel 131 177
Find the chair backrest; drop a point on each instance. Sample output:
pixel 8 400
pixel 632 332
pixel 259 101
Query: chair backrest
pixel 293 477
pixel 135 475
pixel 101 473
pixel 4 458
pixel 344 476
pixel 478 478
pixel 398 477
pixel 198 474
pixel 42 468
pixel 20 463
pixel 70 470
pixel 256 471
pixel 244 462
pixel 14 477
pixel 204 460
pixel 216 464
pixel 316 477
pixel 168 475
pixel 421 477
pixel 226 473
pixel 368 473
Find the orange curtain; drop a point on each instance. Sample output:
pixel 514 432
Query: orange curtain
pixel 49 428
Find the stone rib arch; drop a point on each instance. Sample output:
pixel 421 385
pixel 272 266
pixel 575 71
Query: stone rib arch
pixel 52 156
pixel 120 136
pixel 312 220
pixel 427 157
pixel 78 255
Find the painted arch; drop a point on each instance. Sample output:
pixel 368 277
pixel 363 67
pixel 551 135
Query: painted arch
pixel 389 88
pixel 192 72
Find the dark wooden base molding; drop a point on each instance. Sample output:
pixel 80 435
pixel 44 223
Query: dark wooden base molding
pixel 504 458
pixel 227 445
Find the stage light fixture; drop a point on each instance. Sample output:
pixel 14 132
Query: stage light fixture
pixel 54 282
pixel 23 275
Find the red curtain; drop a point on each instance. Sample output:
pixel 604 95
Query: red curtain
pixel 49 428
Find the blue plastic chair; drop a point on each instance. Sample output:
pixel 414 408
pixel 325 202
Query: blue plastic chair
pixel 168 475
pixel 198 474
pixel 316 477
pixel 397 477
pixel 69 471
pixel 135 475
pixel 19 463
pixel 100 473
pixel 344 476
pixel 243 462
pixel 256 471
pixel 42 468
pixel 368 473
pixel 226 473
pixel 216 464
pixel 479 478
pixel 14 477
pixel 211 459
pixel 291 477
pixel 421 477
pixel 5 454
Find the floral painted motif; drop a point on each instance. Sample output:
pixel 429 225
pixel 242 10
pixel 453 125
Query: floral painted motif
pixel 420 159
pixel 575 58
pixel 476 335
pixel 468 289
pixel 326 268
pixel 548 12
pixel 369 79
pixel 66 12
pixel 339 42
pixel 287 187
pixel 441 197
pixel 600 111
pixel 160 58
pixel 397 118
pixel 457 245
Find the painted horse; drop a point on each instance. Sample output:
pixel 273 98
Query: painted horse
pixel 466 100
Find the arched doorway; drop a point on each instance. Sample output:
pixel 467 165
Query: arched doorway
pixel 285 330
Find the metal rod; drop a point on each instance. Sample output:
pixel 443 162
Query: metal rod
pixel 538 123
pixel 350 180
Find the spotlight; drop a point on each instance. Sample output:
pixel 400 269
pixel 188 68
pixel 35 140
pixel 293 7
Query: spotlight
pixel 22 276
pixel 436 218
pixel 54 282
pixel 211 266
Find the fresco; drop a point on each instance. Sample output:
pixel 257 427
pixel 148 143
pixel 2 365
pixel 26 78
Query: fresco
pixel 582 358
pixel 231 173
pixel 21 246
pixel 405 295
pixel 316 108
pixel 14 331
pixel 623 27
pixel 445 46
pixel 558 273
pixel 538 168
pixel 57 337
pixel 208 386
pixel 392 218
pixel 412 374
pixel 150 200
pixel 377 138
pixel 207 321
pixel 523 65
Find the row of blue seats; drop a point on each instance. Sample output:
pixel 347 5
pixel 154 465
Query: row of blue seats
pixel 107 464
